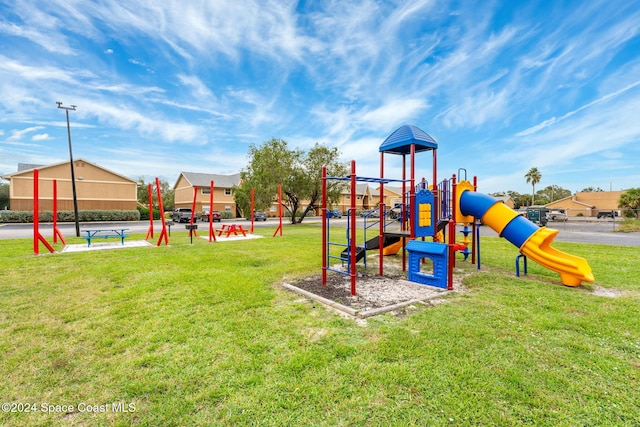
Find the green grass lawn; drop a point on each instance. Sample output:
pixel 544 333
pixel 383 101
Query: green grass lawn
pixel 201 334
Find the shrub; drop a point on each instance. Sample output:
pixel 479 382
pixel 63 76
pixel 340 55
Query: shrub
pixel 629 225
pixel 226 215
pixel 144 213
pixel 68 216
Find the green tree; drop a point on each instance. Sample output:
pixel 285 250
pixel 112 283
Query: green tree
pixel 592 190
pixel 142 191
pixel 165 189
pixel 630 202
pixel 552 193
pixel 533 177
pixel 297 172
pixel 519 200
pixel 317 157
pixel 4 196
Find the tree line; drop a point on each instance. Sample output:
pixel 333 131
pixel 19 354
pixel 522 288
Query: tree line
pixel 298 172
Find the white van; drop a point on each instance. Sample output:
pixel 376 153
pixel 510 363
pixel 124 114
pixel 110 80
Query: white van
pixel 557 215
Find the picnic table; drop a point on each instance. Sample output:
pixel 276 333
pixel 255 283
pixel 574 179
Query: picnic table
pixel 105 233
pixel 232 228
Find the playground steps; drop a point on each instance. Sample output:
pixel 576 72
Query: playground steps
pixel 371 244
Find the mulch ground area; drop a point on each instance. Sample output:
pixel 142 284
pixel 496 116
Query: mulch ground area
pixel 372 291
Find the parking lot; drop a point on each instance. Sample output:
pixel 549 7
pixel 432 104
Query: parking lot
pixel 17 231
pixel 580 230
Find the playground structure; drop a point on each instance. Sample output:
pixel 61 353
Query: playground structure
pixel 433 211
pixel 234 229
pixel 193 226
pixel 37 236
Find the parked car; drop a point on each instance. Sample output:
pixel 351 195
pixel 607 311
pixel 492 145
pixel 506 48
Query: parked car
pixel 557 215
pixel 607 214
pixel 259 216
pixel 537 215
pixel 204 216
pixel 181 215
pixel 394 213
pixel 371 213
pixel 334 213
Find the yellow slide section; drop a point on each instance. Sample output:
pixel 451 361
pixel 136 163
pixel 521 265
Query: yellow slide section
pixel 572 269
pixel 392 249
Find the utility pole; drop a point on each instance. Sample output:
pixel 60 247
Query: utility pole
pixel 73 173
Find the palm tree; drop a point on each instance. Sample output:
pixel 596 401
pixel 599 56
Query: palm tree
pixel 533 176
pixel 630 202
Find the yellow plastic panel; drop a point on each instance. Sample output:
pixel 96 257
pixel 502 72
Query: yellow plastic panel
pixel 461 187
pixel 424 215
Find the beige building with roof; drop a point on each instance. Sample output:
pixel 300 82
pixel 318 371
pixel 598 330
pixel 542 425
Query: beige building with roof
pixel 366 198
pixel 223 200
pixel 97 188
pixel 588 203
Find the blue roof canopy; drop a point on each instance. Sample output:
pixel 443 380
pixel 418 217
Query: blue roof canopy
pixel 399 142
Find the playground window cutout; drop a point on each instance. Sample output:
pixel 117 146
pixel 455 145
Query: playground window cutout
pixel 426 266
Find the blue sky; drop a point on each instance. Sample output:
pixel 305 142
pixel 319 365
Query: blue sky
pixel 170 86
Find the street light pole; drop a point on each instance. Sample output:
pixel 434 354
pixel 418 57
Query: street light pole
pixel 73 173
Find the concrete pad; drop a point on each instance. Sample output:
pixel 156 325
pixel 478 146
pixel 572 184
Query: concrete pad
pixel 97 246
pixel 232 238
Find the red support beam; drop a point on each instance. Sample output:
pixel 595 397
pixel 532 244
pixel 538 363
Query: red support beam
pixel 163 233
pixel 325 253
pixel 56 231
pixel 37 237
pixel 436 196
pixel 452 254
pixel 452 229
pixel 279 229
pixel 352 219
pixel 150 202
pixel 412 192
pixel 474 242
pixel 383 207
pixel 193 231
pixel 212 234
pixel 253 208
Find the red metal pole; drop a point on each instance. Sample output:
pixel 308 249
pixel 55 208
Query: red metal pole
pixel 474 242
pixel 37 237
pixel 55 210
pixel 403 226
pixel 150 199
pixel 352 218
pixel 383 207
pixel 212 234
pixel 193 232
pixel 36 231
pixel 404 190
pixel 253 216
pixel 56 230
pixel 452 229
pixel 325 254
pixel 280 205
pixel 452 254
pixel 279 229
pixel 163 233
pixel 412 192
pixel 435 192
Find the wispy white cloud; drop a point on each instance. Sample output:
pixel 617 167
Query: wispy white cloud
pixel 18 134
pixel 128 119
pixel 41 137
pixel 555 120
pixel 50 41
